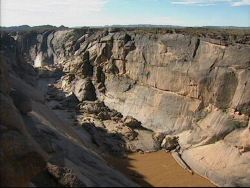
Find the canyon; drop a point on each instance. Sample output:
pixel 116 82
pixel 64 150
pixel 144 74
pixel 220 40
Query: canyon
pixel 71 98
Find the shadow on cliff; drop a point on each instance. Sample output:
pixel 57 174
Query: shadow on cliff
pixel 112 144
pixel 114 148
pixel 123 164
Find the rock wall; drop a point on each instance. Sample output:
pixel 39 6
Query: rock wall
pixel 21 158
pixel 179 84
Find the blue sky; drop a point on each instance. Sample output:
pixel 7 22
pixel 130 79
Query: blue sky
pixel 108 12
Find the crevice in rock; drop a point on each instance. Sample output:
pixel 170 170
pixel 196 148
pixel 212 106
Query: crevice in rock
pixel 197 44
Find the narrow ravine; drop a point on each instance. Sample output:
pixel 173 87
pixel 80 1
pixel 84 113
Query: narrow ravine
pixel 153 169
pixel 99 107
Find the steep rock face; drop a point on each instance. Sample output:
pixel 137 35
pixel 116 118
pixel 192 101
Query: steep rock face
pixel 20 158
pixel 179 84
pixel 32 135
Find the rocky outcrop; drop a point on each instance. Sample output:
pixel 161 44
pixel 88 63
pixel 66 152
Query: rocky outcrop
pixel 174 84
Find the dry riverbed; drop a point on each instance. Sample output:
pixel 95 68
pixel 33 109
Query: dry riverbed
pixel 157 169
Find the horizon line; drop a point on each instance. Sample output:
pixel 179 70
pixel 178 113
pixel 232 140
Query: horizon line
pixel 122 25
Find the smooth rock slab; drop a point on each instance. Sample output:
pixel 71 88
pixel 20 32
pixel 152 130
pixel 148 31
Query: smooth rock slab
pixel 221 163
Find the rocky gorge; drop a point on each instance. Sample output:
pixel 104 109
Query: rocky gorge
pixel 72 97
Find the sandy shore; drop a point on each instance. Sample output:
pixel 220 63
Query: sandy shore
pixel 157 169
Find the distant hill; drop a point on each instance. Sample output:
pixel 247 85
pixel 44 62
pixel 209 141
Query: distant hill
pixel 29 28
pixel 145 26
pixel 225 27
pixel 135 26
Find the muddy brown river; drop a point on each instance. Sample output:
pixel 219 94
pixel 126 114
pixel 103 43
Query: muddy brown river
pixel 157 169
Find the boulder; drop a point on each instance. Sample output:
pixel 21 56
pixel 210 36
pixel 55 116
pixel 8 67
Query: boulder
pixel 70 101
pixel 158 138
pixel 64 176
pixel 93 107
pixel 129 133
pixel 104 116
pixel 131 122
pixel 84 90
pixel 245 140
pixel 170 143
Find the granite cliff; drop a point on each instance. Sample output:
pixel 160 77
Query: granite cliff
pixel 79 94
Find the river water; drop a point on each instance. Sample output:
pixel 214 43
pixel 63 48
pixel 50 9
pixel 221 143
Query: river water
pixel 158 169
